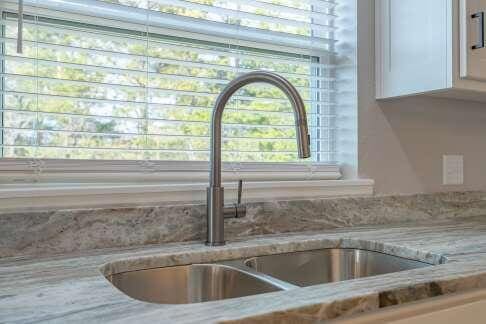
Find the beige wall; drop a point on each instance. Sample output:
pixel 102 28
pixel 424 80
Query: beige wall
pixel 401 142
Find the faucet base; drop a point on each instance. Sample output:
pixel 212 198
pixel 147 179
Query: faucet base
pixel 215 230
pixel 215 243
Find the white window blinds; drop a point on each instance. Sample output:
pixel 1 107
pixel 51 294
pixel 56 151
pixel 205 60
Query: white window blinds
pixel 136 80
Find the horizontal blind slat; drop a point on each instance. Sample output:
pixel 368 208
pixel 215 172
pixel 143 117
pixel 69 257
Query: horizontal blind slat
pixel 219 68
pixel 183 123
pixel 141 89
pixel 220 82
pixel 207 137
pixel 203 109
pixel 143 103
pixel 157 149
pixel 234 53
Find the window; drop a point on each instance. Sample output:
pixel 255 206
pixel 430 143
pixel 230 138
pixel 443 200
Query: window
pixel 136 80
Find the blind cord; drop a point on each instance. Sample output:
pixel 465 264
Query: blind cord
pixel 20 27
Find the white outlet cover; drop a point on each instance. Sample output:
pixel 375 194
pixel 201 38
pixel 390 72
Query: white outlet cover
pixel 453 169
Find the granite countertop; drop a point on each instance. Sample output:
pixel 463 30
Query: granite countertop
pixel 71 288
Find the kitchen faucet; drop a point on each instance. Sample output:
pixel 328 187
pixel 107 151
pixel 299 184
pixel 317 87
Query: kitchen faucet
pixel 215 193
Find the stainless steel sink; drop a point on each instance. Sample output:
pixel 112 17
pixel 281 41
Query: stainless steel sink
pixel 191 284
pixel 263 274
pixel 322 266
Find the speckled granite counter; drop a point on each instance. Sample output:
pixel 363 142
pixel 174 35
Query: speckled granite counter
pixel 72 289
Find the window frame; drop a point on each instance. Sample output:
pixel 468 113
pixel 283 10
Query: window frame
pixel 29 170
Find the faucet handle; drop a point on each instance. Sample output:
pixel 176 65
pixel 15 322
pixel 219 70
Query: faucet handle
pixel 240 190
pixel 236 210
pixel 240 209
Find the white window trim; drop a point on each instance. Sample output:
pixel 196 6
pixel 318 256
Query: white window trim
pixel 31 183
pixel 15 197
pixel 48 171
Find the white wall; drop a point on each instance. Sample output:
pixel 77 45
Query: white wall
pixel 401 142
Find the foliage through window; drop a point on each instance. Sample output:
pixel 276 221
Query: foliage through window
pixel 144 86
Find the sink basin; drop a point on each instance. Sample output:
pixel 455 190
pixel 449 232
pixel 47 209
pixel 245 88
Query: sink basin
pixel 191 284
pixel 329 265
pixel 263 274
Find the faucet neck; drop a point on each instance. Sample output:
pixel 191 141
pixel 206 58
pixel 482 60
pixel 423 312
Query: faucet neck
pixel 292 94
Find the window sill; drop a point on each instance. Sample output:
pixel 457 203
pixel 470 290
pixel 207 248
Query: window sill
pixel 66 195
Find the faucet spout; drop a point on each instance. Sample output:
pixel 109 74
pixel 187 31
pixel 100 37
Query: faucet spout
pixel 215 193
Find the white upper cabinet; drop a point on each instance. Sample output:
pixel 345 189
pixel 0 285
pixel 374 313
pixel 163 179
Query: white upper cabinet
pixel 434 47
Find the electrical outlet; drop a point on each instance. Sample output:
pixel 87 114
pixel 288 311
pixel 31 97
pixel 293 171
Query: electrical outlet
pixel 453 170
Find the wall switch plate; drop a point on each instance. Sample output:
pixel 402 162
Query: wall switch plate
pixel 453 170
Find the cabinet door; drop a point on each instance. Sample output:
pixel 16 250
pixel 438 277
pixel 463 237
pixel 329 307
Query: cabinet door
pixel 412 46
pixel 473 39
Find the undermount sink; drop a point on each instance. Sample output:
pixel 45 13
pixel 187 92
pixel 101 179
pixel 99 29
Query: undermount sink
pixel 257 275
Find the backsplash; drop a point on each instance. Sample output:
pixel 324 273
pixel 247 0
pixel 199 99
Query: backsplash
pixel 61 231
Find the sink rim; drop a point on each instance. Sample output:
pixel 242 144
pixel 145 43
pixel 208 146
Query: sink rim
pixel 443 260
pixel 240 265
pixel 137 263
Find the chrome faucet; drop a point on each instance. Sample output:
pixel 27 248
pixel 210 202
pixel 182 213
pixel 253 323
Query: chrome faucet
pixel 215 193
